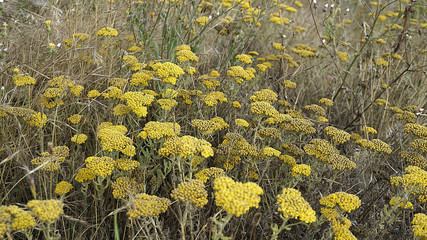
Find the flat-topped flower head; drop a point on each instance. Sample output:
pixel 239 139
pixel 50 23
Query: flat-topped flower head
pixel 157 130
pixel 208 173
pixel 13 218
pixel 346 201
pixel 102 166
pixel 300 169
pixel 47 211
pixel 85 174
pixel 113 138
pixel 419 225
pixel 145 205
pixel 293 205
pixel 168 71
pixel 138 101
pixel 193 191
pixel 186 146
pixel 123 187
pixel 337 135
pixel 63 187
pixel 21 80
pixel 266 95
pixel 234 197
pixel 107 32
pixel 79 138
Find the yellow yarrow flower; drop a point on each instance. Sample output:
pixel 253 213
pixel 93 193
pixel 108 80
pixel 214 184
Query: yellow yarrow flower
pixel 193 191
pixel 234 197
pixel 157 130
pixel 145 205
pixel 13 218
pixel 85 174
pixel 21 80
pixel 102 166
pixel 79 138
pixel 107 32
pixel 419 225
pixel 241 122
pixel 63 187
pixel 47 211
pixel 293 205
pixel 346 201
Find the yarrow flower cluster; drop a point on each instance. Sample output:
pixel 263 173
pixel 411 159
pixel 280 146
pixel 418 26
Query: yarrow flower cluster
pixel 102 166
pixel 234 197
pixel 107 32
pixel 51 161
pixel 32 117
pixel 340 225
pixel 63 187
pixel 145 205
pixel 208 173
pixel 293 205
pixel 337 135
pixel 47 211
pixel 138 101
pixel 13 218
pixel 212 98
pixel 419 225
pixel 266 95
pixel 168 71
pixel 157 130
pixel 240 75
pixel 193 191
pixel 209 126
pixel 79 138
pixel 186 146
pixel 375 144
pixel 415 182
pixel 401 203
pixel 113 138
pixel 21 80
pixel 126 164
pixel 124 186
pixel 346 201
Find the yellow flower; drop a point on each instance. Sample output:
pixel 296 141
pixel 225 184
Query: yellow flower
pixel 51 161
pixel 123 187
pixel 207 173
pixel 401 203
pixel 168 71
pixel 186 146
pixel 212 98
pixel 293 205
pixel 102 166
pixel 244 58
pixel 157 130
pixel 316 109
pixel 202 20
pixel 346 201
pixel 63 187
pixel 241 122
pixel 343 57
pixel 236 104
pixel 300 169
pixel 234 197
pixel 337 135
pixel 137 100
pixel 107 32
pixel 193 191
pixel 266 95
pixel 126 164
pixel 85 174
pixel 93 93
pixel 145 205
pixel 167 104
pixel 269 151
pixel 75 118
pixel 47 211
pixel 79 138
pixel 419 225
pixel 13 218
pixel 21 80
pixel 289 84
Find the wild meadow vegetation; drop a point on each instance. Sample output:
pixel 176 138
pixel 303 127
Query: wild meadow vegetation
pixel 219 119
